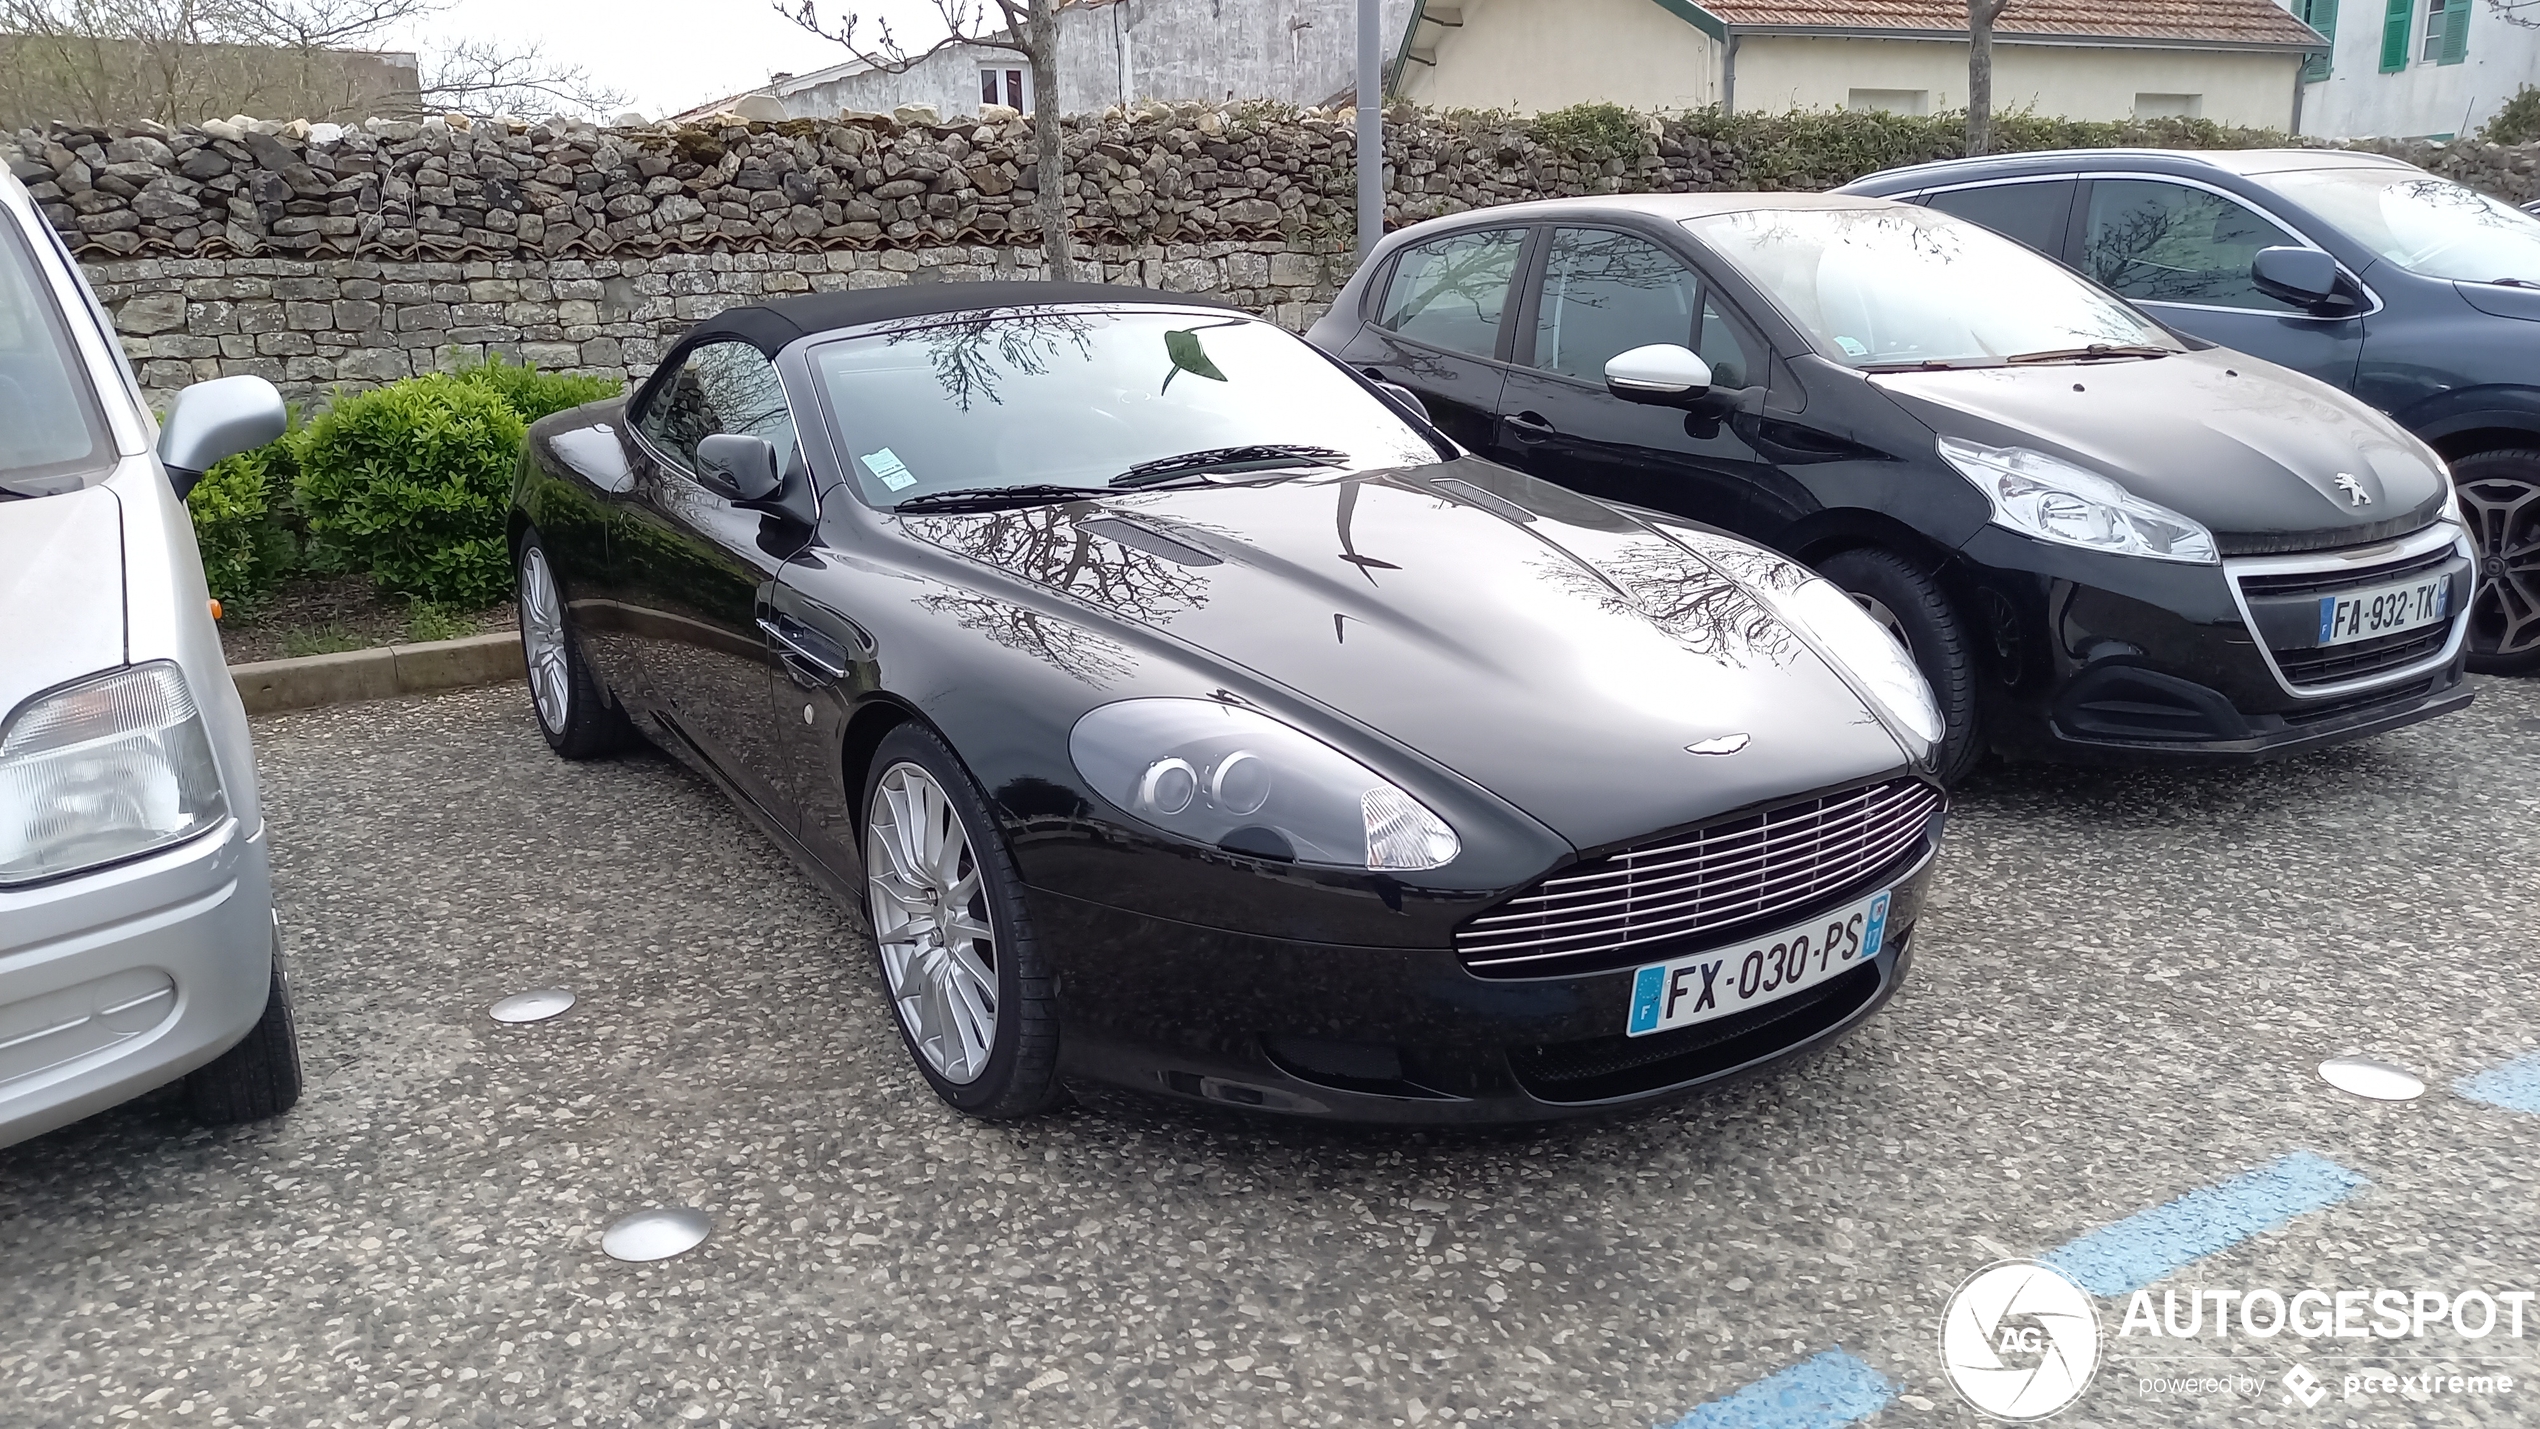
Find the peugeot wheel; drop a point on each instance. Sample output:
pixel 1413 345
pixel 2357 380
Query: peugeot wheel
pixel 966 982
pixel 2500 499
pixel 1914 609
pixel 577 716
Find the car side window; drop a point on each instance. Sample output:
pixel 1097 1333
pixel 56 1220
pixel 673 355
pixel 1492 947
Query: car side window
pixel 2033 213
pixel 1452 292
pixel 2168 243
pixel 1605 293
pixel 719 387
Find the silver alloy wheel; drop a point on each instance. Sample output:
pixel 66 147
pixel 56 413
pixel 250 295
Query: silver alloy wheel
pixel 1877 610
pixel 931 922
pixel 542 640
pixel 2504 523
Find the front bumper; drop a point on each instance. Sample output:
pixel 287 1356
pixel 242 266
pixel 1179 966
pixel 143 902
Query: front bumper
pixel 116 982
pixel 2098 658
pixel 1406 1035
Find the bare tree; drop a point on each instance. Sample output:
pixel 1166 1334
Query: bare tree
pixel 176 61
pixel 1028 28
pixel 1980 17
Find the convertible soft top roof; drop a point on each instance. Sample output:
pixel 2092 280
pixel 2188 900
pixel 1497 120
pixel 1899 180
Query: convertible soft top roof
pixel 770 326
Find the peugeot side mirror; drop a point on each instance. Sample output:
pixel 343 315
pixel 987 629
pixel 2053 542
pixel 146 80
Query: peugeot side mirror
pixel 1408 400
pixel 1659 375
pixel 2305 277
pixel 215 420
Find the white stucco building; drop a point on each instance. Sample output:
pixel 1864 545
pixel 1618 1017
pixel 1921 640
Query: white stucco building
pixel 2232 61
pixel 2416 68
pixel 1301 52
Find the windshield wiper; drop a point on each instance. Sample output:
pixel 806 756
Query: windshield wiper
pixel 994 498
pixel 2084 354
pixel 1266 456
pixel 1928 364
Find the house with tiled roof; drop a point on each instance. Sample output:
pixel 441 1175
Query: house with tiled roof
pixel 2231 61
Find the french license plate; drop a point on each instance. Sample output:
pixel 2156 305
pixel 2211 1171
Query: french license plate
pixel 2384 610
pixel 1726 981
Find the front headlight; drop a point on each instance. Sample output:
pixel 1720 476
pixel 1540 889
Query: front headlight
pixel 102 770
pixel 2052 499
pixel 1243 782
pixel 1847 633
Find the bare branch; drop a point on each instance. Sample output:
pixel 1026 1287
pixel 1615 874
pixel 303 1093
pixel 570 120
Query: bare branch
pixel 482 78
pixel 963 26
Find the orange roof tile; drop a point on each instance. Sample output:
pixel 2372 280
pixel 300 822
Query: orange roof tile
pixel 2235 22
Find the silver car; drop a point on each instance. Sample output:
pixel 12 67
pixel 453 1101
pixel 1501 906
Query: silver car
pixel 137 937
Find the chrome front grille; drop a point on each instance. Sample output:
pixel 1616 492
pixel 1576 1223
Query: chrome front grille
pixel 2267 587
pixel 1740 871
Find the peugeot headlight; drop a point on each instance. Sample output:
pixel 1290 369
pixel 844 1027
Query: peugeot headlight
pixel 2052 499
pixel 102 770
pixel 1244 782
pixel 1845 632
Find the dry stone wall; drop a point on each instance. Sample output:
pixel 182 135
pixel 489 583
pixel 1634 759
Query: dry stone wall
pixel 319 254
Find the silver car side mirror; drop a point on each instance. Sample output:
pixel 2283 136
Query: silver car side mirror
pixel 214 420
pixel 1659 375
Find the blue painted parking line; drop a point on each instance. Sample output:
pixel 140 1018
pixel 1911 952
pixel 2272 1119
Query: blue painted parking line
pixel 2513 1085
pixel 1832 1388
pixel 2150 1245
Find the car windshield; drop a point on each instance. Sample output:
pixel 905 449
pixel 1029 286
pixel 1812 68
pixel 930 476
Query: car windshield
pixel 51 433
pixel 2429 226
pixel 1057 398
pixel 1899 286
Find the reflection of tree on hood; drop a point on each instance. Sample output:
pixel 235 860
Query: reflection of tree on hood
pixel 1043 544
pixel 1684 595
pixel 971 354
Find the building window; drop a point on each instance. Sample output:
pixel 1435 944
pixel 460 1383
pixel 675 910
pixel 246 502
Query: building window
pixel 2169 106
pixel 1889 101
pixel 1009 87
pixel 2320 15
pixel 2446 32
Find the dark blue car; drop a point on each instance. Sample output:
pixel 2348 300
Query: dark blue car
pixel 2414 293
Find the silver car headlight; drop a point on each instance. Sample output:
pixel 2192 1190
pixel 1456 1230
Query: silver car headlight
pixel 113 766
pixel 1241 781
pixel 2052 499
pixel 1845 632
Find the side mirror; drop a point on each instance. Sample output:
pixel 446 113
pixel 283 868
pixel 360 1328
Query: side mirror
pixel 2305 277
pixel 742 470
pixel 1408 400
pixel 737 467
pixel 1659 375
pixel 215 420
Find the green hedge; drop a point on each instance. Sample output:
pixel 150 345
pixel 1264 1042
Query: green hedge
pixel 406 483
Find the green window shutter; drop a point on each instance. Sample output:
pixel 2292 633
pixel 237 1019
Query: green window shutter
pixel 2394 33
pixel 2455 32
pixel 2320 15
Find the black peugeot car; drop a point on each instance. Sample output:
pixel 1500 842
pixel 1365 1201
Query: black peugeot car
pixel 2416 294
pixel 1185 713
pixel 2097 538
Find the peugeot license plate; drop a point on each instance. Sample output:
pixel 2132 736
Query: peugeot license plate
pixel 1726 981
pixel 2384 610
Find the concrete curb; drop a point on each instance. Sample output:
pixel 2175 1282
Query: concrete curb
pixel 383 673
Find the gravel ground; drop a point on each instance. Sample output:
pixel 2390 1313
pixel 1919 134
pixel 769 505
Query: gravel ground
pixel 2120 993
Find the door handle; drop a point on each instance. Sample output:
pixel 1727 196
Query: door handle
pixel 1531 427
pixel 798 647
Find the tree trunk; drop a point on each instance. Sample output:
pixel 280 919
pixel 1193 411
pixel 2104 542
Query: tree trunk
pixel 1049 139
pixel 1980 16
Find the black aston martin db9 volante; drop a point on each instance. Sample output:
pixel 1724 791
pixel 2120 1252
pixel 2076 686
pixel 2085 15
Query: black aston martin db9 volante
pixel 1186 714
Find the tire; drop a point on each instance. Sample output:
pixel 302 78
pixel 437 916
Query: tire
pixel 941 970
pixel 258 1078
pixel 2500 499
pixel 577 715
pixel 1910 603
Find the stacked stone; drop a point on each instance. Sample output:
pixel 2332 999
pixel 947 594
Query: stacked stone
pixel 2509 171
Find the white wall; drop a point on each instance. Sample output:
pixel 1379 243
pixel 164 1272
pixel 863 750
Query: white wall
pixel 1777 73
pixel 1300 52
pixel 1534 55
pixel 2358 100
